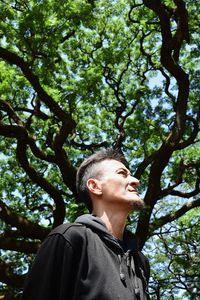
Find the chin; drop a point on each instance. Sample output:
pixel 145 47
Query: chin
pixel 137 204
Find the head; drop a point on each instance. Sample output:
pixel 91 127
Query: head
pixel 90 168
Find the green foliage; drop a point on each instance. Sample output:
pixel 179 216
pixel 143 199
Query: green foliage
pixel 76 76
pixel 175 266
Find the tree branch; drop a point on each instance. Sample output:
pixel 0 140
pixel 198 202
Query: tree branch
pixel 193 134
pixel 170 189
pixel 68 171
pixel 27 228
pixel 182 32
pixel 22 137
pixel 162 156
pixel 5 106
pixel 143 165
pixel 60 158
pixel 174 69
pixel 67 121
pixel 9 243
pixel 59 212
pixel 8 277
pixel 14 131
pixel 37 113
pixel 174 215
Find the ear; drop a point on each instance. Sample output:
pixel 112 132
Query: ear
pixel 94 186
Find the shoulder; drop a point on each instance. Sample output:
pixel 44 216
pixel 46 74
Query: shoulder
pixel 67 228
pixel 73 233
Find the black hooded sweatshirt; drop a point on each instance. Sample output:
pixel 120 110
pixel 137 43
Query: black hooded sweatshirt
pixel 83 261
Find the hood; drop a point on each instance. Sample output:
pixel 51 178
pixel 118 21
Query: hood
pixel 125 249
pixel 98 226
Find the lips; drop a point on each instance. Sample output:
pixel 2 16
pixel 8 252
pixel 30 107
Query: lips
pixel 133 191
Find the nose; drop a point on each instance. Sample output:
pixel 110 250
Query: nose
pixel 134 181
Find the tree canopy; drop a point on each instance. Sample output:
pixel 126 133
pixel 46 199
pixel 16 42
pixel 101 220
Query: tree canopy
pixel 80 75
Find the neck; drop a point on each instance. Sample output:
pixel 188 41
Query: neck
pixel 115 222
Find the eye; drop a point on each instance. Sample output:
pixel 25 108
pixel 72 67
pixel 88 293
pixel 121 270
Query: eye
pixel 122 172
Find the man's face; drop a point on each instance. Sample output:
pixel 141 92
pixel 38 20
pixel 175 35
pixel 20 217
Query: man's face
pixel 118 186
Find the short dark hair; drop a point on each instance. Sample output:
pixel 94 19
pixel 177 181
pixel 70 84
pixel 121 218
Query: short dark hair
pixel 89 169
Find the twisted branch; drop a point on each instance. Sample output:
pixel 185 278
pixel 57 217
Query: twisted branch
pixel 174 215
pixel 26 227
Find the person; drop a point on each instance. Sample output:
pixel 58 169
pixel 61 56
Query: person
pixel 96 257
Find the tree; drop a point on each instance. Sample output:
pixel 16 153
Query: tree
pixel 80 75
pixel 175 261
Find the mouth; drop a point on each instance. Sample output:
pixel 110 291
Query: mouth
pixel 133 191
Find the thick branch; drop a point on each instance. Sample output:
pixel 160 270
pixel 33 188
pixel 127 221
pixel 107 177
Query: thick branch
pixel 9 243
pixel 22 136
pixel 38 153
pixel 68 123
pixel 67 170
pixel 193 134
pixel 173 68
pixel 170 190
pixel 21 154
pixel 27 228
pixel 143 165
pixel 174 215
pixel 162 156
pixel 13 58
pixel 185 195
pixel 38 113
pixel 13 131
pixel 5 106
pixel 182 32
